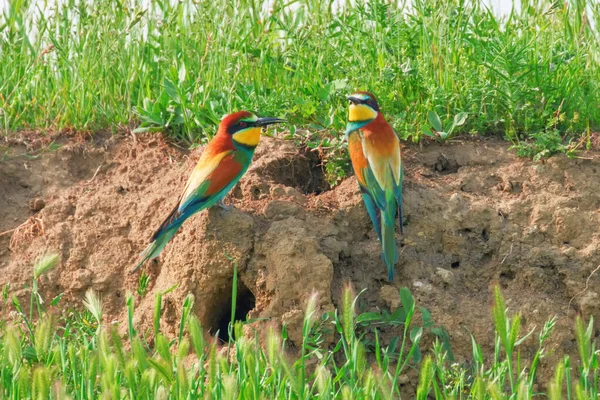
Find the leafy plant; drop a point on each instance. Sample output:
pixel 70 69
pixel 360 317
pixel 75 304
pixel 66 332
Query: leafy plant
pixel 167 112
pixel 437 129
pixel 143 283
pixel 543 145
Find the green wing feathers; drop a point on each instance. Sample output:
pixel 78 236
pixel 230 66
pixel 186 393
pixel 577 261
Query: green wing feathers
pixel 384 204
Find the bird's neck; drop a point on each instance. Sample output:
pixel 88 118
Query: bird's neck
pixel 248 149
pixel 372 124
pixel 378 124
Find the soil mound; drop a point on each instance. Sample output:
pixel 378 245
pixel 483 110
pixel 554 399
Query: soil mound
pixel 475 216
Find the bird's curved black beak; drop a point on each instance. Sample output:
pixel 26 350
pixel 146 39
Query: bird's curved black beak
pixel 354 100
pixel 268 121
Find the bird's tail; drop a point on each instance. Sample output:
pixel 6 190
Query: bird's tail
pixel 157 245
pixel 161 237
pixel 389 253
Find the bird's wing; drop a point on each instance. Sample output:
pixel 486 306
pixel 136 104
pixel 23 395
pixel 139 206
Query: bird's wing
pixel 384 161
pixel 216 185
pixel 384 175
pixel 207 184
pixel 207 164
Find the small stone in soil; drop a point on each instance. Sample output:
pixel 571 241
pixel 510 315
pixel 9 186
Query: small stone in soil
pixel 36 204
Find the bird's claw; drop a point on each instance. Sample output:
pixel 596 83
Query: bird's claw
pixel 224 206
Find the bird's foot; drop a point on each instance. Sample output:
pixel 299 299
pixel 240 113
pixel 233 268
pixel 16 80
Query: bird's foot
pixel 224 206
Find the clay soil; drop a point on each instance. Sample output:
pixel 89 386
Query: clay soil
pixel 476 216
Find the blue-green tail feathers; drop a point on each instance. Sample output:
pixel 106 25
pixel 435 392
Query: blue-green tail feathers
pixel 157 245
pixel 389 253
pixel 162 236
pixel 383 207
pixel 373 211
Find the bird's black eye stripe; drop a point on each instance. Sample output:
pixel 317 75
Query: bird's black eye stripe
pixel 368 101
pixel 239 126
pixel 373 104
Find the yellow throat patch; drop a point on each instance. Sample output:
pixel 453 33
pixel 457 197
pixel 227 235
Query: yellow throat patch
pixel 248 137
pixel 361 112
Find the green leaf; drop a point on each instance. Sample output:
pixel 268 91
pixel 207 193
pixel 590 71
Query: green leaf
pixel 29 354
pixel 56 299
pixel 398 317
pixel 171 90
pixel 434 120
pixel 169 290
pixel 416 354
pixel 162 368
pixel 460 118
pixel 408 302
pixel 426 316
pixel 380 60
pixel 339 84
pixel 368 317
pixel 427 132
pixel 393 344
pixel 500 321
pixel 182 73
pixel 141 129
pixel 476 349
pixel 415 334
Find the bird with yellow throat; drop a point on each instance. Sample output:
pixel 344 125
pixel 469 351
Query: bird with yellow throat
pixel 376 159
pixel 222 164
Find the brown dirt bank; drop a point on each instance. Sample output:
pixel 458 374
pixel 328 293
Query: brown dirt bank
pixel 475 215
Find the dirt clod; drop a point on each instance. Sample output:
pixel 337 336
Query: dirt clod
pixel 36 204
pixel 390 297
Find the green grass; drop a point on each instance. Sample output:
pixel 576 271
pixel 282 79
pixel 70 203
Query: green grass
pixel 76 355
pixel 533 77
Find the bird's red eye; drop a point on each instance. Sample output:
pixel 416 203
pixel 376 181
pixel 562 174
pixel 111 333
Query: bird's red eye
pixel 243 124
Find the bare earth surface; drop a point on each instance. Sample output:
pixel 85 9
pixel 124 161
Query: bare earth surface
pixel 475 216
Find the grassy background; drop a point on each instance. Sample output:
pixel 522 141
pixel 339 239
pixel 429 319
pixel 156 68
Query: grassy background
pixel 180 66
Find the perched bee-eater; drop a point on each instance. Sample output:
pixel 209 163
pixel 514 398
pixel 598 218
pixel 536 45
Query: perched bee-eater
pixel 224 161
pixel 375 154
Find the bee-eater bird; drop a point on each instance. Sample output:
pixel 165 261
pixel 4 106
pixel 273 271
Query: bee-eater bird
pixel 376 159
pixel 222 163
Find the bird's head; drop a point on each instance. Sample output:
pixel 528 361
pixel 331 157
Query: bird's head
pixel 363 110
pixel 244 127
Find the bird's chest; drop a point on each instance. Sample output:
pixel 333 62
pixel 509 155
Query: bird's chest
pixel 378 143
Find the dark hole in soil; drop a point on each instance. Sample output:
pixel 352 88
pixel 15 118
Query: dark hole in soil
pixel 314 181
pixel 303 171
pixel 244 304
pixel 455 264
pixel 485 235
pixel 445 165
pixel 506 277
